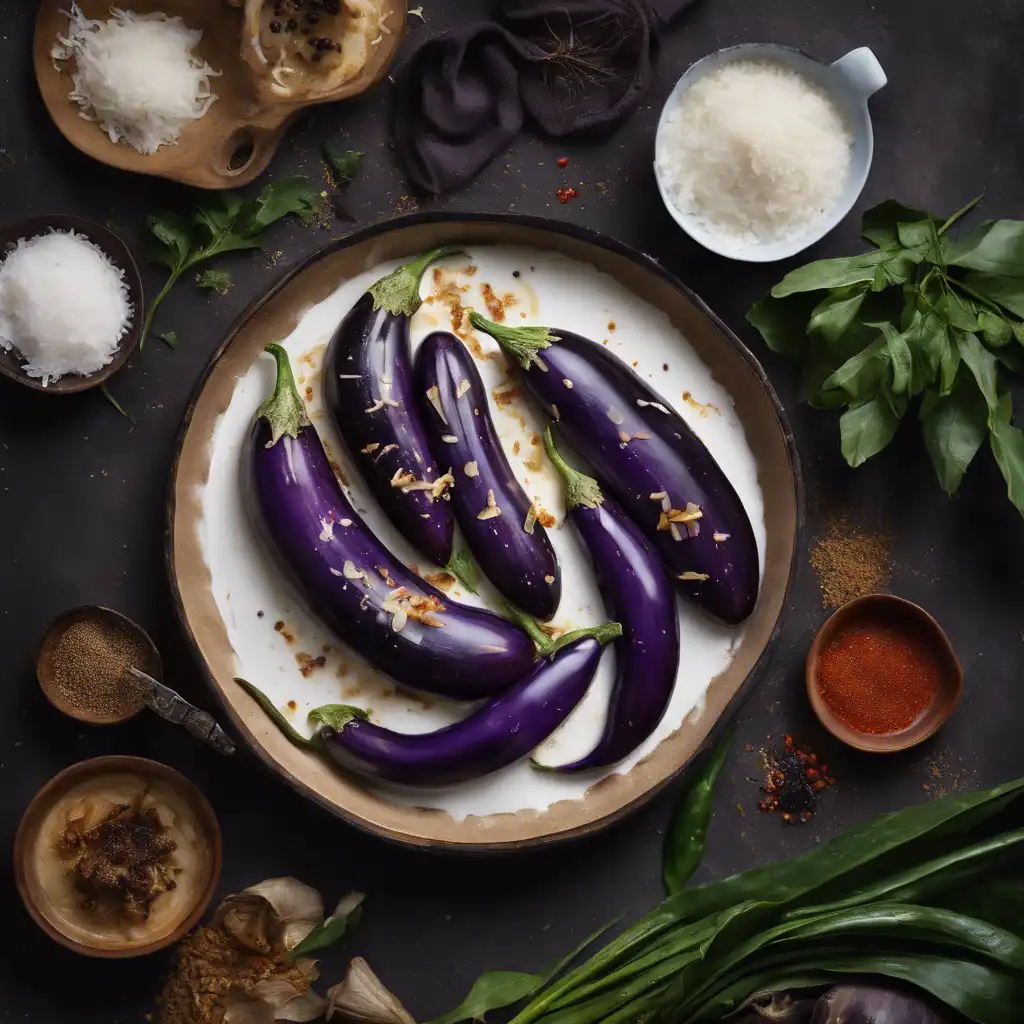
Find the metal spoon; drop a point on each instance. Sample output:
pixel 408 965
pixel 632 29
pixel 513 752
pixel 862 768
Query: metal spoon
pixel 153 693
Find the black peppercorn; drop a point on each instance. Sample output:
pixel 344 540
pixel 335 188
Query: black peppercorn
pixel 292 25
pixel 275 26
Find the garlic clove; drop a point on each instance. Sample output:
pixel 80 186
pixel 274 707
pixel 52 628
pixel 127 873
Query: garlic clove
pixel 298 908
pixel 362 997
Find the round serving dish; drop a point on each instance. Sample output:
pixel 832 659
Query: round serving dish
pixel 888 609
pixel 30 886
pixel 118 252
pixel 757 415
pixel 849 81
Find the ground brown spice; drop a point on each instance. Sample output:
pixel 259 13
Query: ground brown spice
pixel 212 968
pixel 90 667
pixel 850 561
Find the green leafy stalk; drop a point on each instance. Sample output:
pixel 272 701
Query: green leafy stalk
pixel 687 833
pixel 284 410
pixel 225 223
pixel 122 409
pixel 580 489
pixel 399 291
pixel 463 568
pixel 521 343
pixel 926 317
pixel 290 732
pixel 603 634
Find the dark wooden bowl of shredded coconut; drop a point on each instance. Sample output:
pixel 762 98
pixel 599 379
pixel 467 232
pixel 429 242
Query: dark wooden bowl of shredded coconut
pixel 83 663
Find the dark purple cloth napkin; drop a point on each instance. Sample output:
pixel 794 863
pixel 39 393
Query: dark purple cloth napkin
pixel 462 98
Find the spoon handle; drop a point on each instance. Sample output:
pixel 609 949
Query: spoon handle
pixel 170 705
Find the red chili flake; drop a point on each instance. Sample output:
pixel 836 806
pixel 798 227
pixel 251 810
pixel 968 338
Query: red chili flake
pixel 565 194
pixel 793 779
pixel 563 161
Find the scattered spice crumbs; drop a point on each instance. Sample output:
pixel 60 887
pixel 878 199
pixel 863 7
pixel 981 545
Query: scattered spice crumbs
pixel 565 194
pixel 292 706
pixel 515 451
pixel 611 326
pixel 515 273
pixel 703 408
pixel 309 394
pixel 308 664
pixel 793 780
pixel 284 629
pixel 850 561
pixel 495 306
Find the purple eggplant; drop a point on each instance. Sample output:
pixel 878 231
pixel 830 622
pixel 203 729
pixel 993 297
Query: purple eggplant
pixel 638 593
pixel 393 618
pixel 498 734
pixel 368 392
pixel 646 457
pixel 497 519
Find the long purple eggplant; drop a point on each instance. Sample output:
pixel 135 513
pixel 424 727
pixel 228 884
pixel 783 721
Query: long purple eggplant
pixel 646 457
pixel 397 621
pixel 637 593
pixel 369 396
pixel 492 737
pixel 497 519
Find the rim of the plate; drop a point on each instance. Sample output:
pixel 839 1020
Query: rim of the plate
pixel 578 233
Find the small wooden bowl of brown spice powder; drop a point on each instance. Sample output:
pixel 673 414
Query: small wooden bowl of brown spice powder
pixel 83 663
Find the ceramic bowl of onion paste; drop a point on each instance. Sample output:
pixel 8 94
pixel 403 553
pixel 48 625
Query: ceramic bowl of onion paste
pixel 730 213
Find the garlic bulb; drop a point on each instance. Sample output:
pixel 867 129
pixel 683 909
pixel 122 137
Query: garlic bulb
pixel 363 998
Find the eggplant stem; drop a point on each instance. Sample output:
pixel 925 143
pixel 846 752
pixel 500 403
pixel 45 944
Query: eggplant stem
pixel 521 343
pixel 580 489
pixel 290 732
pixel 399 291
pixel 603 634
pixel 336 716
pixel 528 624
pixel 284 410
pixel 463 568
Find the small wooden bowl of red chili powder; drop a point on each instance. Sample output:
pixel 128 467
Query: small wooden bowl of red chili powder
pixel 882 675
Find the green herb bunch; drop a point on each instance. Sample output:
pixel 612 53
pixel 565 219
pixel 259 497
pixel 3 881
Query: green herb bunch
pixel 931 897
pixel 925 321
pixel 226 223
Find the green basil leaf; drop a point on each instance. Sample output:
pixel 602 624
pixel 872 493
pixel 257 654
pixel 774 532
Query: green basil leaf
pixel 954 429
pixel 866 428
pixel 981 363
pixel 996 330
pixel 783 323
pixel 824 274
pixel 833 315
pixel 949 361
pixel 294 194
pixel 861 375
pixel 880 224
pixel 173 236
pixel 345 166
pixel 915 233
pixel 994 247
pixel 957 311
pixel 217 216
pixel 215 280
pixel 1008 447
pixel 900 358
pixel 926 337
pixel 1007 292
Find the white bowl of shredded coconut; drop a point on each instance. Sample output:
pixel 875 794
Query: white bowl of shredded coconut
pixel 762 150
pixel 70 303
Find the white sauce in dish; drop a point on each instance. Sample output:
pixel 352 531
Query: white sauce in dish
pixel 551 290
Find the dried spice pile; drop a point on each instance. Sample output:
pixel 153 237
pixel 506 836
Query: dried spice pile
pixel 793 780
pixel 850 561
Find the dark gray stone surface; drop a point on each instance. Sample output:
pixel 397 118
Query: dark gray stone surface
pixel 82 510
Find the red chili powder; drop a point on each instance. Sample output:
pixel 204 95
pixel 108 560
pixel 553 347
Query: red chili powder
pixel 879 678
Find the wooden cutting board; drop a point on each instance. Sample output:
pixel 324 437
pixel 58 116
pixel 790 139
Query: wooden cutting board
pixel 236 139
